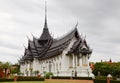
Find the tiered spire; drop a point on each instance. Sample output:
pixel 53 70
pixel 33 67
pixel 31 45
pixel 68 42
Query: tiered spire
pixel 45 25
pixel 45 34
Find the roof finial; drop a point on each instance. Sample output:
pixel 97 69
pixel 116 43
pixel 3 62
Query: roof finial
pixel 45 25
pixel 24 46
pixel 28 38
pixel 32 34
pixel 76 24
pixel 85 37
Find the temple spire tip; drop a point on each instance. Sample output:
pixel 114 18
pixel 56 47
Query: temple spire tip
pixel 45 25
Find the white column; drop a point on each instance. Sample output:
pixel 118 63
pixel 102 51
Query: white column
pixel 42 67
pixel 28 68
pixel 87 60
pixel 80 60
pixel 34 64
pixel 55 66
pixel 51 67
pixel 73 60
pixel 70 64
pixel 83 60
pixel 76 61
pixel 28 65
pixel 78 64
pixel 46 66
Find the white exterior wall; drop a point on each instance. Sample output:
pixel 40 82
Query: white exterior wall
pixel 22 68
pixel 36 65
pixel 65 59
pixel 62 65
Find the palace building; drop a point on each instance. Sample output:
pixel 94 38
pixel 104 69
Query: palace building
pixel 67 56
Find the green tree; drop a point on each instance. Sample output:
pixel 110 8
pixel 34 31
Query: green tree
pixel 15 70
pixel 6 65
pixel 107 68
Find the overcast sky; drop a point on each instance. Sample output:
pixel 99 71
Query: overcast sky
pixel 99 21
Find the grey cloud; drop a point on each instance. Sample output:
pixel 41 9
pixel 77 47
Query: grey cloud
pixel 11 46
pixel 98 20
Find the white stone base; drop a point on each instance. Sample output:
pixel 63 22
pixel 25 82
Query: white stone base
pixel 84 72
pixel 81 72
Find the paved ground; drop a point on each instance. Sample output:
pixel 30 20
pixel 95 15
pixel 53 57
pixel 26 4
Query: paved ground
pixel 65 80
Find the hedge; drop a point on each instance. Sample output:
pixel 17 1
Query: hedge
pixel 100 81
pixel 101 77
pixel 114 81
pixel 6 80
pixel 58 77
pixel 22 78
pixel 105 81
pixel 83 78
pixel 77 78
pixel 30 78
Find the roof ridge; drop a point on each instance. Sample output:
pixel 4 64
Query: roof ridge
pixel 70 32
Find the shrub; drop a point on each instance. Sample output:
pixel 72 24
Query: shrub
pixel 36 72
pixel 29 78
pixel 48 75
pixel 61 77
pixel 83 78
pixel 100 81
pixel 6 80
pixel 77 78
pixel 101 77
pixel 114 81
pixel 105 81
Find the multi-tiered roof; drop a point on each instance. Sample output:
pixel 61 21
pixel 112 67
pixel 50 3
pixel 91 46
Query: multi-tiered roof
pixel 46 46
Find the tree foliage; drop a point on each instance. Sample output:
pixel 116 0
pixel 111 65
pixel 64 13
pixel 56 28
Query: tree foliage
pixel 15 70
pixel 104 68
pixel 5 65
pixel 8 65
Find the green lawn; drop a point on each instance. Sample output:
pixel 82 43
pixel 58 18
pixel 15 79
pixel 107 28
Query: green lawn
pixel 25 82
pixel 37 82
pixel 43 82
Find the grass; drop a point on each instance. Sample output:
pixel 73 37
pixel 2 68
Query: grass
pixel 24 82
pixel 44 82
pixel 34 82
pixel 54 81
